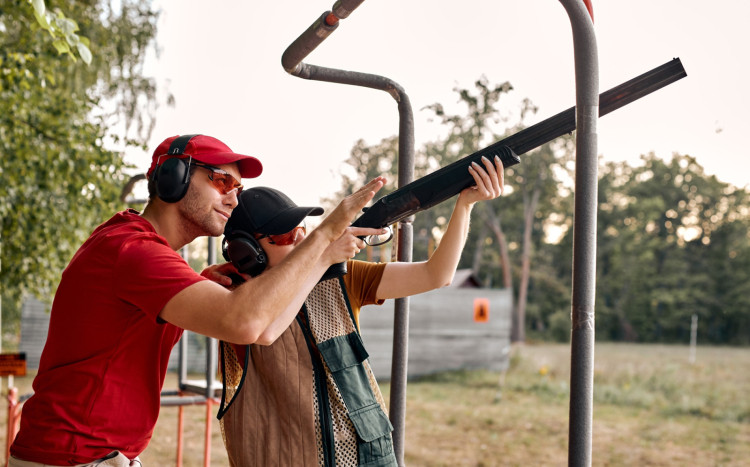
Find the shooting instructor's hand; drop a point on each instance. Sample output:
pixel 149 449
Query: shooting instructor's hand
pixel 222 273
pixel 340 218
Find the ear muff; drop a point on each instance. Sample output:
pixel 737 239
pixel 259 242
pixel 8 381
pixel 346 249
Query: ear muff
pixel 172 177
pixel 245 253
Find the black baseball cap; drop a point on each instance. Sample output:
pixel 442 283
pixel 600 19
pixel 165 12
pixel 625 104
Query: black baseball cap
pixel 264 210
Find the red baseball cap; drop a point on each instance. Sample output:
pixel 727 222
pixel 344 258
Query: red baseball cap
pixel 210 151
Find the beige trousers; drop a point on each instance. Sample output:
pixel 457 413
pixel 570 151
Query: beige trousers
pixel 113 459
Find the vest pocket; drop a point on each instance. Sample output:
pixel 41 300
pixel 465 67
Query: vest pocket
pixel 342 352
pixel 371 423
pixel 374 446
pixel 344 356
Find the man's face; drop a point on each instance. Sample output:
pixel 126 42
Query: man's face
pixel 206 208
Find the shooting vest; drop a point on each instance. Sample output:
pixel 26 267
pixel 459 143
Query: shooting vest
pixel 310 398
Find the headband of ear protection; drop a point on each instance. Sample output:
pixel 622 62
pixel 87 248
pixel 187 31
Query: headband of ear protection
pixel 244 252
pixel 172 177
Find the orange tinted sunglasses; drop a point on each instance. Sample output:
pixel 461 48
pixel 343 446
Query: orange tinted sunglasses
pixel 221 179
pixel 285 238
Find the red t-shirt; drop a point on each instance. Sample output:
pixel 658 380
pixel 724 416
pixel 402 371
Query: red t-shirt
pixel 103 366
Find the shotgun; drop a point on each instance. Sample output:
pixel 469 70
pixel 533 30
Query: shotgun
pixel 448 181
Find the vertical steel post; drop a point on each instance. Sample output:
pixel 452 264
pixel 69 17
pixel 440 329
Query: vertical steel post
pixel 400 355
pixel 182 365
pixel 584 241
pixel 211 344
pixel 211 368
pixel 693 337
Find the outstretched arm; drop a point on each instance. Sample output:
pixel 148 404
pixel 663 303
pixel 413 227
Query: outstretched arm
pixel 241 315
pixel 346 246
pixel 404 279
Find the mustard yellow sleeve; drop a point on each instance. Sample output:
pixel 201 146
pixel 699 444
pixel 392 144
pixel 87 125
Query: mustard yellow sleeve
pixel 361 282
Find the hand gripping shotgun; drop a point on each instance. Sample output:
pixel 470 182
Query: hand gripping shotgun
pixel 448 181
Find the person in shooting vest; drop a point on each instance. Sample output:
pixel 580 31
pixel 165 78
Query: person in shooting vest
pixel 311 398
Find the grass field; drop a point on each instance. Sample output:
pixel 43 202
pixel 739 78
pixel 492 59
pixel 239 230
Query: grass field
pixel 651 408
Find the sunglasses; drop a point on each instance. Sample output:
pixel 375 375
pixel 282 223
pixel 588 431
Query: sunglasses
pixel 286 238
pixel 221 179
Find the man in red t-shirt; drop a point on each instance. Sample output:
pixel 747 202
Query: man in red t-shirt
pixel 126 296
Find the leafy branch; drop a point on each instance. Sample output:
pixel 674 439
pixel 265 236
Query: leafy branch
pixel 63 31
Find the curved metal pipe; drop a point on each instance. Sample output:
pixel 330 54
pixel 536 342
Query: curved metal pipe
pixel 316 33
pixel 128 188
pixel 307 42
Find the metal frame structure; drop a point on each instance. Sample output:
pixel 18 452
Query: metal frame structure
pixel 581 17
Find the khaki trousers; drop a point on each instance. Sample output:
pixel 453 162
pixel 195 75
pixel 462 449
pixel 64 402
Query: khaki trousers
pixel 113 459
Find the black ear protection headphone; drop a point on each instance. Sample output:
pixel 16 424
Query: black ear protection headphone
pixel 244 252
pixel 172 178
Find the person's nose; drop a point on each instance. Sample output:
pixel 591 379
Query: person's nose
pixel 231 199
pixel 301 234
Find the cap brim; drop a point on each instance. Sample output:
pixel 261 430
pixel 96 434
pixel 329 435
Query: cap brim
pixel 288 220
pixel 249 166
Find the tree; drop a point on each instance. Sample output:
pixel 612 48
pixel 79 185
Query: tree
pixel 545 203
pixel 500 226
pixel 467 133
pixel 58 120
pixel 726 318
pixel 63 31
pixel 670 246
pixel 527 210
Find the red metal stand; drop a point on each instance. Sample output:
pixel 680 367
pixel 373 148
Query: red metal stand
pixel 15 406
pixel 14 420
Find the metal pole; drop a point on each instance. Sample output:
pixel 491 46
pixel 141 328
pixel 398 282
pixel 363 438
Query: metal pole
pixel 584 242
pixel 291 60
pixel 182 365
pixel 400 355
pixel 693 337
pixel 211 368
pixel 211 344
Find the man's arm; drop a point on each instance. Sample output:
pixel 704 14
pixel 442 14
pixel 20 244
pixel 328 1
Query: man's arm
pixel 241 315
pixel 345 246
pixel 404 279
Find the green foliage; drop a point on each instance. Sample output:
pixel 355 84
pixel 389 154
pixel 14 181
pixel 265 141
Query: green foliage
pixel 480 124
pixel 58 120
pixel 727 257
pixel 367 162
pixel 506 232
pixel 663 252
pixel 62 30
pixel 559 326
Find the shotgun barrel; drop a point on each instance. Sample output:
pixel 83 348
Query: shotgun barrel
pixel 448 181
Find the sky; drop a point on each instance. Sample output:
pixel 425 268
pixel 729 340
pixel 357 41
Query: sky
pixel 222 64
